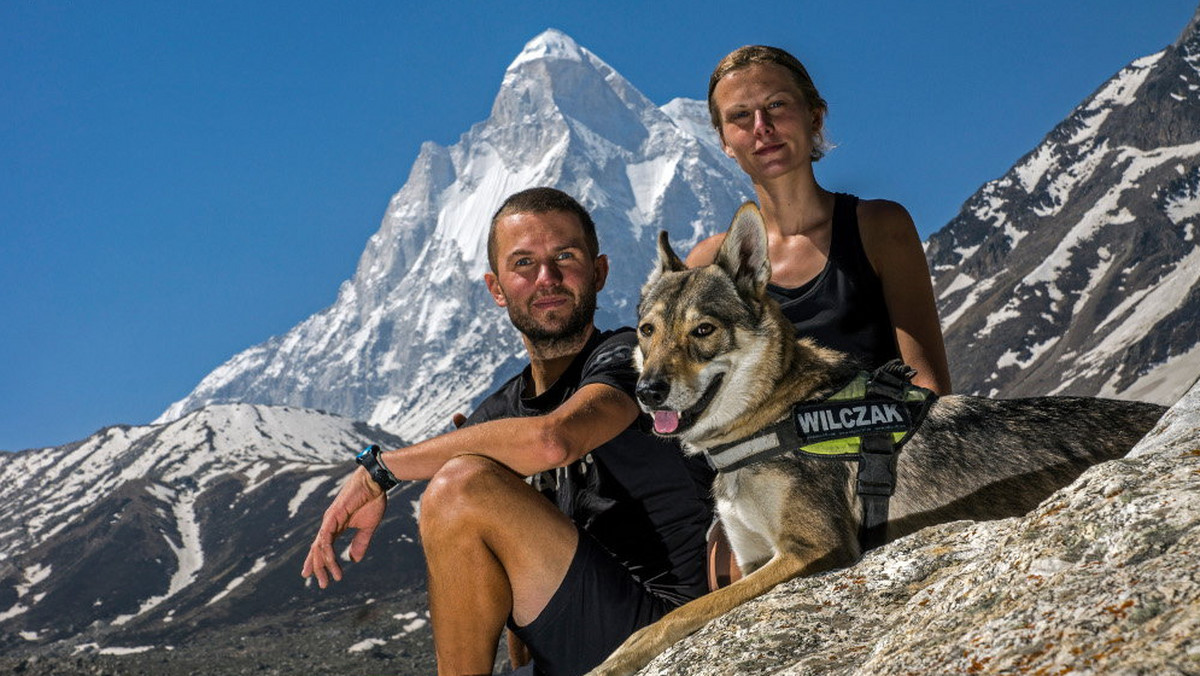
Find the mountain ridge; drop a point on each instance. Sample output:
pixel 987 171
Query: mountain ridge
pixel 175 547
pixel 1076 271
pixel 414 336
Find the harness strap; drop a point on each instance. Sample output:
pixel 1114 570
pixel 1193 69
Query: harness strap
pixel 806 431
pixel 877 462
pixel 876 483
pixel 758 448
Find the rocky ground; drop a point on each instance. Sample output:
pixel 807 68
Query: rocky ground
pixel 1102 578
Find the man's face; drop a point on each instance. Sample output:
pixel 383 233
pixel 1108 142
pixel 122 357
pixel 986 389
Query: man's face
pixel 545 276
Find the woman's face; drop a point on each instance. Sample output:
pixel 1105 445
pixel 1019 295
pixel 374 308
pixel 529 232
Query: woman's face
pixel 766 125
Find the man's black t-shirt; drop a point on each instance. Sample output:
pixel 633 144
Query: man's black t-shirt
pixel 637 495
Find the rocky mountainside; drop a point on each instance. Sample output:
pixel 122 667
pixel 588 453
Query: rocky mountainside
pixel 177 549
pixel 414 336
pixel 1099 579
pixel 1078 271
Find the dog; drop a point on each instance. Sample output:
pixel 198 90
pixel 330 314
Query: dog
pixel 719 364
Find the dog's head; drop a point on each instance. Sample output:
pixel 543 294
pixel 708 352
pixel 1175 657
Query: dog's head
pixel 704 336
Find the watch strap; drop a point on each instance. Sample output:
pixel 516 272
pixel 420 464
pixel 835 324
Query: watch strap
pixel 370 461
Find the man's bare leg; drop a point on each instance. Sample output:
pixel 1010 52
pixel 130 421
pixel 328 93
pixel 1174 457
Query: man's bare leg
pixel 493 546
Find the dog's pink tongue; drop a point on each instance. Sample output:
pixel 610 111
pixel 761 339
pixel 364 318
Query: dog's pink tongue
pixel 665 422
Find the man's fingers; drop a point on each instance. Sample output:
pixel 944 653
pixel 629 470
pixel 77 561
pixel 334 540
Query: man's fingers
pixel 358 546
pixel 324 569
pixel 321 563
pixel 352 509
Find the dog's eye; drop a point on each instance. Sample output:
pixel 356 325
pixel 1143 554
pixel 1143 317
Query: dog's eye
pixel 646 329
pixel 703 330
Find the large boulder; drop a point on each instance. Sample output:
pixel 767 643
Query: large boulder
pixel 1103 577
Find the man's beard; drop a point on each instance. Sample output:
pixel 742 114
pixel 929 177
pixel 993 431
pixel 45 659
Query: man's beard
pixel 550 341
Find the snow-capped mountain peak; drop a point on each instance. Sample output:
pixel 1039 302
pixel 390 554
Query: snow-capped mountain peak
pixel 551 44
pixel 414 336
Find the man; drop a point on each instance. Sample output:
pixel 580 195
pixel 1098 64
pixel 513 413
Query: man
pixel 625 542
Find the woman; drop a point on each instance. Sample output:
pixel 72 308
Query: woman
pixel 850 273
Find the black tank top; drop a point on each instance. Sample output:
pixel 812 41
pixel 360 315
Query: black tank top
pixel 843 307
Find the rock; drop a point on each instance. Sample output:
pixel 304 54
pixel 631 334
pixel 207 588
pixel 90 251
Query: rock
pixel 1102 578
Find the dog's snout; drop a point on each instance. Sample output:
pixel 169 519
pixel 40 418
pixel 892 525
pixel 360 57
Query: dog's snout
pixel 653 392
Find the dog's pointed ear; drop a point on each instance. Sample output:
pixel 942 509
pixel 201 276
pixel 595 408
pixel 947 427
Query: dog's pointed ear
pixel 668 261
pixel 743 254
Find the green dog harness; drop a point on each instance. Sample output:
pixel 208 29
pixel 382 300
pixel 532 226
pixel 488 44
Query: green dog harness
pixel 868 420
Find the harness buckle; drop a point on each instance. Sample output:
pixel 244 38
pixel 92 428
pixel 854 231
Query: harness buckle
pixel 877 466
pixel 891 380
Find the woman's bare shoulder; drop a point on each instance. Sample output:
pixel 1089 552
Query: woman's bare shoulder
pixel 883 213
pixel 705 252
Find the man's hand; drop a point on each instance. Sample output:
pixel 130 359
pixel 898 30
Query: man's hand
pixel 360 505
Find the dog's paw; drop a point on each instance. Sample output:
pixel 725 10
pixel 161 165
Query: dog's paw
pixel 616 666
pixel 635 653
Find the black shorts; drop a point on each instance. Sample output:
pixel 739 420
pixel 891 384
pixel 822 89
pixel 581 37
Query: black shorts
pixel 597 606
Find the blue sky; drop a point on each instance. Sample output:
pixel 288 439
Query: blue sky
pixel 180 181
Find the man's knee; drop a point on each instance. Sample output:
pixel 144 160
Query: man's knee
pixel 461 489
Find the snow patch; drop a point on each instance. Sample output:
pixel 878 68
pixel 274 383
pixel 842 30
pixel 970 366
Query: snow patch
pixel 467 209
pixel 259 564
pixel 1095 276
pixel 1071 176
pixel 965 252
pixel 117 650
pixel 13 612
pixel 33 575
pixel 1106 210
pixel 306 489
pixel 363 646
pixel 1162 383
pixel 1184 208
pixel 1029 174
pixel 648 181
pixel 415 625
pixel 1138 317
pixel 968 302
pixel 1013 358
pixel 1120 91
pixel 1008 312
pixel 413 622
pixel 188 553
pixel 551 44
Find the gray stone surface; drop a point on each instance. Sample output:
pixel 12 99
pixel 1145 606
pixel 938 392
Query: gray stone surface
pixel 1102 578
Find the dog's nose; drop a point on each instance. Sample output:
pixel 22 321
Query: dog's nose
pixel 653 392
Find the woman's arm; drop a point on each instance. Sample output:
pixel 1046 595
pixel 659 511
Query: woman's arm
pixel 892 245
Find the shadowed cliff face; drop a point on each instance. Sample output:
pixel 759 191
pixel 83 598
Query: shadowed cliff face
pixel 1101 578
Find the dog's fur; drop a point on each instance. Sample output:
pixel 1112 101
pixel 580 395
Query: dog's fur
pixel 717 354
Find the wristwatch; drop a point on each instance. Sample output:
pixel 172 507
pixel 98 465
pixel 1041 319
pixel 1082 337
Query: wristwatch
pixel 369 459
